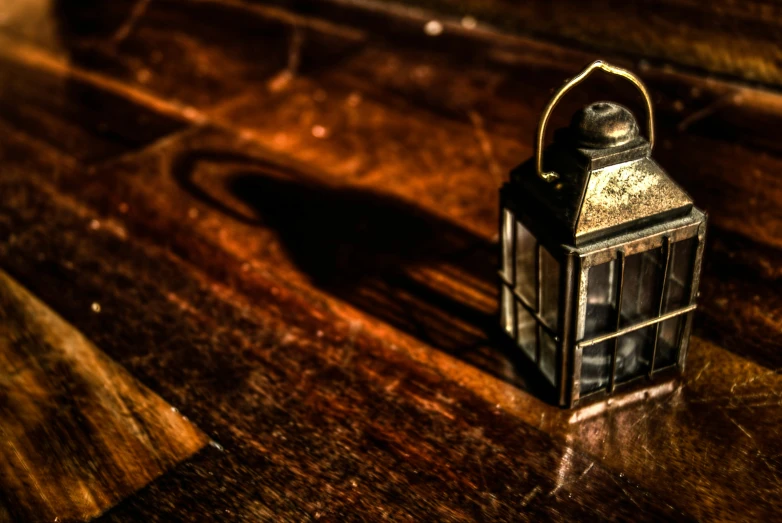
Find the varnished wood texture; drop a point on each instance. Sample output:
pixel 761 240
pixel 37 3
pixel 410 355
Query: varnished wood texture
pixel 287 215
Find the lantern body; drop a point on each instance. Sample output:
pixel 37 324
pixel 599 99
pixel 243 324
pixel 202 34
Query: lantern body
pixel 599 265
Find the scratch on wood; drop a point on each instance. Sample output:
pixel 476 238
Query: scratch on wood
pixel 729 99
pixel 27 470
pixel 281 80
pixel 708 363
pixel 291 18
pixel 534 492
pixel 480 468
pixel 38 59
pixel 432 406
pixel 139 8
pixel 760 453
pixel 564 467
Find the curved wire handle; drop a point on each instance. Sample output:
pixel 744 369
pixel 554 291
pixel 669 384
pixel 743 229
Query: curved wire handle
pixel 598 64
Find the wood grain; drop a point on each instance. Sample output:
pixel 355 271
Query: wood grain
pixel 78 433
pixel 315 417
pixel 298 248
pixel 738 39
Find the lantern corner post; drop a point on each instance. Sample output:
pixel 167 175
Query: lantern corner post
pixel 569 297
pixel 694 291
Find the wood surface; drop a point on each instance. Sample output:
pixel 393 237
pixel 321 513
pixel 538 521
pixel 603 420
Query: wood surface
pixel 78 434
pixel 288 217
pixel 742 40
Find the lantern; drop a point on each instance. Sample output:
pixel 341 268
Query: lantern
pixel 600 255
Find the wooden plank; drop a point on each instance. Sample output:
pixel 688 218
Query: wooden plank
pixel 75 117
pixel 740 301
pixel 216 53
pixel 322 251
pixel 78 432
pixel 316 415
pixel 270 287
pixel 739 39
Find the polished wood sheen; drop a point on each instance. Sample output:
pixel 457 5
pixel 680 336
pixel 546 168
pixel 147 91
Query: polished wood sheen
pixel 288 217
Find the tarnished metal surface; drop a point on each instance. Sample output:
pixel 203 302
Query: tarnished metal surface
pixel 627 193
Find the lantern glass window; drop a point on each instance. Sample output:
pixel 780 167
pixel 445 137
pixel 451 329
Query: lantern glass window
pixel 526 248
pixel 642 286
pixel 549 288
pixel 507 244
pixel 677 293
pixel 634 353
pixel 631 322
pixel 530 294
pixel 506 315
pixel 548 356
pixel 527 332
pixel 627 296
pixel 601 299
pixel 596 366
pixel 668 342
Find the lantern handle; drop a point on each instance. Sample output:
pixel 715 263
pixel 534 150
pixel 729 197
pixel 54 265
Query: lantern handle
pixel 569 84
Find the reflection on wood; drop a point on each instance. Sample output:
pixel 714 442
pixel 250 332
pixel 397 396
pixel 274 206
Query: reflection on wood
pixel 77 433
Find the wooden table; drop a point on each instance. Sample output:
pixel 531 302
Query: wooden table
pixel 248 260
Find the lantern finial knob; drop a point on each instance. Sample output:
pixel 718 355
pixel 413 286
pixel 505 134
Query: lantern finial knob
pixel 598 64
pixel 604 124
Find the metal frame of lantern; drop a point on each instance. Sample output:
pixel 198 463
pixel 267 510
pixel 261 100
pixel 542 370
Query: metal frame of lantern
pixel 563 346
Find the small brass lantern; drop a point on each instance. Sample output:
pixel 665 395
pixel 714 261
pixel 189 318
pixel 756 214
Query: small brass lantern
pixel 600 255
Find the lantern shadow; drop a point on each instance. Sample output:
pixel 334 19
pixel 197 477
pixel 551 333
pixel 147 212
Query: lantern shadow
pixel 418 272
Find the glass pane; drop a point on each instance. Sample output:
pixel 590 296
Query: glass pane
pixel 506 309
pixel 525 264
pixel 601 299
pixel 507 244
pixel 548 356
pixel 634 353
pixel 596 366
pixel 642 286
pixel 549 288
pixel 527 328
pixel 677 295
pixel 668 342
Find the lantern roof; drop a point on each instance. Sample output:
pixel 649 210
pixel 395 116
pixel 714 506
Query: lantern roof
pixel 605 180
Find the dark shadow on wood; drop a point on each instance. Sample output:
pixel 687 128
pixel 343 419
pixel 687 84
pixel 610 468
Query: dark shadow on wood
pixel 373 250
